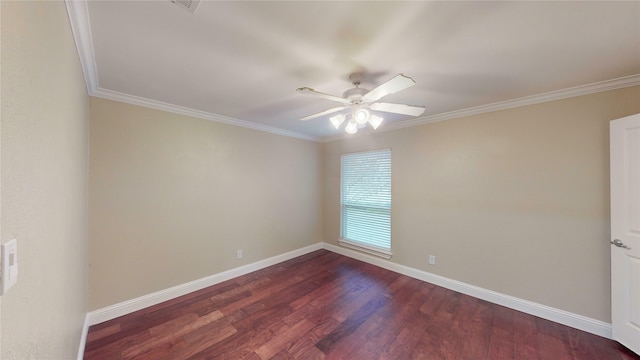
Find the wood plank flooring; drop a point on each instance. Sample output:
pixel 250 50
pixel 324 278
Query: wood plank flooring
pixel 326 306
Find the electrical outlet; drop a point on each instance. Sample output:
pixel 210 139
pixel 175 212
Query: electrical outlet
pixel 9 275
pixel 432 259
pixel 239 254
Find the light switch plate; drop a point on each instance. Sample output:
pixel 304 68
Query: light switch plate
pixel 9 275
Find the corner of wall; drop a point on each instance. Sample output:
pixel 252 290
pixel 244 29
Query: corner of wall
pixel 0 163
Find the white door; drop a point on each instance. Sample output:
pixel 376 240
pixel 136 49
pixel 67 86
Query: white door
pixel 625 231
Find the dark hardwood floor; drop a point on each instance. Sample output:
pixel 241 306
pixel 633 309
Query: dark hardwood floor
pixel 326 306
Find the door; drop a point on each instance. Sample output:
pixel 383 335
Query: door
pixel 625 231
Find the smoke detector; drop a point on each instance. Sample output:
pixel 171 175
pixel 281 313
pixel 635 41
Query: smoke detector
pixel 189 5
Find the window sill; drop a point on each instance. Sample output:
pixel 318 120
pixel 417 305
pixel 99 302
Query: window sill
pixel 385 254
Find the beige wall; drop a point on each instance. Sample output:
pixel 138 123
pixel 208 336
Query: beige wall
pixel 173 197
pixel 515 201
pixel 43 181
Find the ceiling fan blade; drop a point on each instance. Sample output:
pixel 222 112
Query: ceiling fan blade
pixel 326 112
pixel 310 91
pixel 399 82
pixel 398 108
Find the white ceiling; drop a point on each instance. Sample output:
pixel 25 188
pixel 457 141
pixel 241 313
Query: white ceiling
pixel 240 61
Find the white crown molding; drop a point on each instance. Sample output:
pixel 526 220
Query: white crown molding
pixel 627 81
pixel 159 105
pixel 576 321
pixel 78 13
pixel 593 88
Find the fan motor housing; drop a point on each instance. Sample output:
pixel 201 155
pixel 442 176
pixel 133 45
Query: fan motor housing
pixel 355 94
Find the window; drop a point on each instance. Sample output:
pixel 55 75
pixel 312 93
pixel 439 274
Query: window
pixel 365 202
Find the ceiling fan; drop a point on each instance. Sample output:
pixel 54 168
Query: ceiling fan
pixel 358 103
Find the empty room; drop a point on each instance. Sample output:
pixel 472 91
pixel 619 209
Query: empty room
pixel 319 180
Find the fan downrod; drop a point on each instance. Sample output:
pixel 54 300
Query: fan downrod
pixel 356 78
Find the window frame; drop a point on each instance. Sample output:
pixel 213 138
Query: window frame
pixel 355 244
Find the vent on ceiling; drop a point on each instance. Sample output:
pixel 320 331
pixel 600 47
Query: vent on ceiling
pixel 189 5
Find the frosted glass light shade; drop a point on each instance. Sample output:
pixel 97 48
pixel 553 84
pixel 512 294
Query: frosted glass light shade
pixel 351 128
pixel 361 116
pixel 337 120
pixel 375 121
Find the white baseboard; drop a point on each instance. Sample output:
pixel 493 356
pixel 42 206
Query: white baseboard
pixel 129 306
pixel 576 321
pixel 83 337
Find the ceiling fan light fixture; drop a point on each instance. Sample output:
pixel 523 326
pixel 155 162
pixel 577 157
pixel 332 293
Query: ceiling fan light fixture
pixel 337 120
pixel 351 128
pixel 358 103
pixel 375 121
pixel 361 116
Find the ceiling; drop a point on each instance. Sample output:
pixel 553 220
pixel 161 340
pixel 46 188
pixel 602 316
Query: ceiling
pixel 240 62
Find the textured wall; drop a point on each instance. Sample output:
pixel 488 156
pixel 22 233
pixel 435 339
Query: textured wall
pixel 44 181
pixel 173 197
pixel 515 201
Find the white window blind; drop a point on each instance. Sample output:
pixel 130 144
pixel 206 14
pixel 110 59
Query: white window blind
pixel 366 201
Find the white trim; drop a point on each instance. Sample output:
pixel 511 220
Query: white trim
pixel 129 306
pixel 78 13
pixel 587 89
pixel 159 105
pixel 81 28
pixel 580 322
pixel 613 84
pixel 365 248
pixel 83 337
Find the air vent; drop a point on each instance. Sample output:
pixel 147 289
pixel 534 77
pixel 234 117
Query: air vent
pixel 189 5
